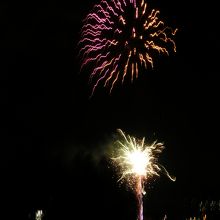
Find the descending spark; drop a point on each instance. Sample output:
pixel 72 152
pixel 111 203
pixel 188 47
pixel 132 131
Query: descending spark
pixel 125 33
pixel 138 163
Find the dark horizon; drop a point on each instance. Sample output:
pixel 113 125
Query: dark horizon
pixel 54 135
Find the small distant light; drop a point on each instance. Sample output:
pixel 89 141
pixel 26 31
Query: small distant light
pixel 39 215
pixel 165 217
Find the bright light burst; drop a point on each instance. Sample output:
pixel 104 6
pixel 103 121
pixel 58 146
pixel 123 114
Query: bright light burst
pixel 137 159
pixel 119 37
pixel 138 163
pixel 39 215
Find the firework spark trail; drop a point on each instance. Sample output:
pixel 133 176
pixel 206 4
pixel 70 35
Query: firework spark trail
pixel 137 163
pixel 139 193
pixel 125 33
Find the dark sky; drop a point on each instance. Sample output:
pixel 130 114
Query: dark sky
pixel 54 136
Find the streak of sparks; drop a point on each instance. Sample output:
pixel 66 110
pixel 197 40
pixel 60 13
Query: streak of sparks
pixel 114 43
pixel 137 164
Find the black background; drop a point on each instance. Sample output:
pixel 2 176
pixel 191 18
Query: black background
pixel 54 136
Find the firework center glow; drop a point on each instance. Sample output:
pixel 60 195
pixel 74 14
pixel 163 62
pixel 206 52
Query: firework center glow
pixel 139 161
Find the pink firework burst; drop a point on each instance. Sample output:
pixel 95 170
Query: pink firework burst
pixel 119 37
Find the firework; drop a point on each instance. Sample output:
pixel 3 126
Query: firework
pixel 137 164
pixel 120 37
pixel 39 215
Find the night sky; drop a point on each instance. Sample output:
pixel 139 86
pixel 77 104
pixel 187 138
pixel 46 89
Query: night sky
pixel 55 138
